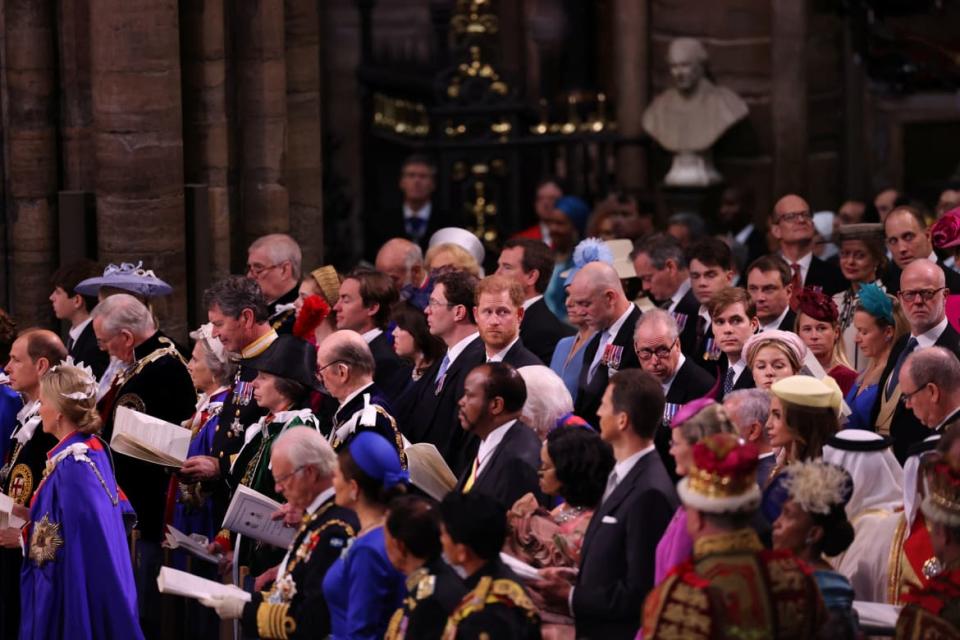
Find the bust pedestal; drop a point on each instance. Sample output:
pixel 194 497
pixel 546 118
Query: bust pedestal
pixel 692 169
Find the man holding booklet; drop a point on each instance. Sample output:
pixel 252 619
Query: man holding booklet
pixel 302 468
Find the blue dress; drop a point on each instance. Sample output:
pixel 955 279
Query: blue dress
pixel 861 406
pixel 363 589
pixel 193 510
pixel 77 579
pixel 568 371
pixel 838 598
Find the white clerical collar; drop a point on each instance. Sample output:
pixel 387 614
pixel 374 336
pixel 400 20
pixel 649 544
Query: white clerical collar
pixel 531 301
pixel 370 336
pixel 775 324
pixel 499 355
pixel 929 338
pixel 75 332
pixel 669 381
pixel 422 213
pixel 678 295
pixel 454 352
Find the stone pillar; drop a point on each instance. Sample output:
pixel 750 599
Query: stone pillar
pixel 76 115
pixel 303 168
pixel 632 58
pixel 788 95
pixel 29 127
pixel 135 73
pixel 261 101
pixel 205 119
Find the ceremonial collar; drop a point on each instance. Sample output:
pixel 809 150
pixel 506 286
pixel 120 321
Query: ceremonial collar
pixel 72 438
pixel 322 497
pixel 739 540
pixel 27 420
pixel 259 345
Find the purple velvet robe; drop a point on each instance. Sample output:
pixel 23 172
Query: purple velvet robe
pixel 77 580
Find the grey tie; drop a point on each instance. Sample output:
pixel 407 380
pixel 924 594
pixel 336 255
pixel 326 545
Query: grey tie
pixel 612 482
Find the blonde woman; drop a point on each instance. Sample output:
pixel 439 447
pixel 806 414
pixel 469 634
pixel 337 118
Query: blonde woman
pixel 77 579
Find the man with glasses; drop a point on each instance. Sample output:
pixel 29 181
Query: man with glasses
pixel 303 465
pixel 657 345
pixel 923 297
pixel 345 367
pixel 273 262
pixel 429 413
pixel 930 387
pixel 792 225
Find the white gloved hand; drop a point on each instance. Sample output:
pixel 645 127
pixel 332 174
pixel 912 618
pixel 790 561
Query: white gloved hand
pixel 227 607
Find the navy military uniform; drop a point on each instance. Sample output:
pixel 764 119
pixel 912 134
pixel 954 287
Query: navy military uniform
pixel 295 607
pixel 159 385
pixel 367 410
pixel 433 592
pixel 496 607
pixel 21 474
pixel 282 312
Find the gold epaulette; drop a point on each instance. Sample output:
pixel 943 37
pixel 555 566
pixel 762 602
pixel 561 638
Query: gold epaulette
pixel 274 621
pixel 490 591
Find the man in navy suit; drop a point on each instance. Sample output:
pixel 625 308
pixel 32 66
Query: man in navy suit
pixel 530 262
pixel 75 308
pixel 734 320
pixel 364 306
pixel 597 292
pixel 499 313
pixel 748 410
pixel 792 224
pixel 923 296
pixel 428 411
pixel 617 557
pixel 508 456
pixel 662 268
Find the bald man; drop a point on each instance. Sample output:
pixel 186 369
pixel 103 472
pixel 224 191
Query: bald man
pixel 597 292
pixel 923 297
pixel 345 366
pixel 402 260
pixel 32 354
pixel 791 223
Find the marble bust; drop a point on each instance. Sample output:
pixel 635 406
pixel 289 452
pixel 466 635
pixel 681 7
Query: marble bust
pixel 688 118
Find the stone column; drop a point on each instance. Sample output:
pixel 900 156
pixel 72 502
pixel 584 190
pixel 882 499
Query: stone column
pixel 303 168
pixel 632 58
pixel 206 125
pixel 30 137
pixel 135 73
pixel 788 96
pixel 261 99
pixel 76 116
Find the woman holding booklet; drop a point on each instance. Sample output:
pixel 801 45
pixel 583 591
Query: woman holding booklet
pixel 211 371
pixel 77 580
pixel 282 387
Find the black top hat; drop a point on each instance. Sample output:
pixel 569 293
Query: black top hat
pixel 289 357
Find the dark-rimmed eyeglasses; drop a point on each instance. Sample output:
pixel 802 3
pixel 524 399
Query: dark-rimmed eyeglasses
pixel 926 295
pixel 662 352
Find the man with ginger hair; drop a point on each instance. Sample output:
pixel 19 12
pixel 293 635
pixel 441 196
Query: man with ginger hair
pixel 499 312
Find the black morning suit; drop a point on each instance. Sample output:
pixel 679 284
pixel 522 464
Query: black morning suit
pixel 590 393
pixel 826 276
pixel 511 472
pixel 519 356
pixel 689 383
pixel 617 556
pixel 905 429
pixel 86 350
pixel 390 224
pixel 541 330
pixel 431 414
pixel 745 381
pixel 686 315
pixel 392 374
